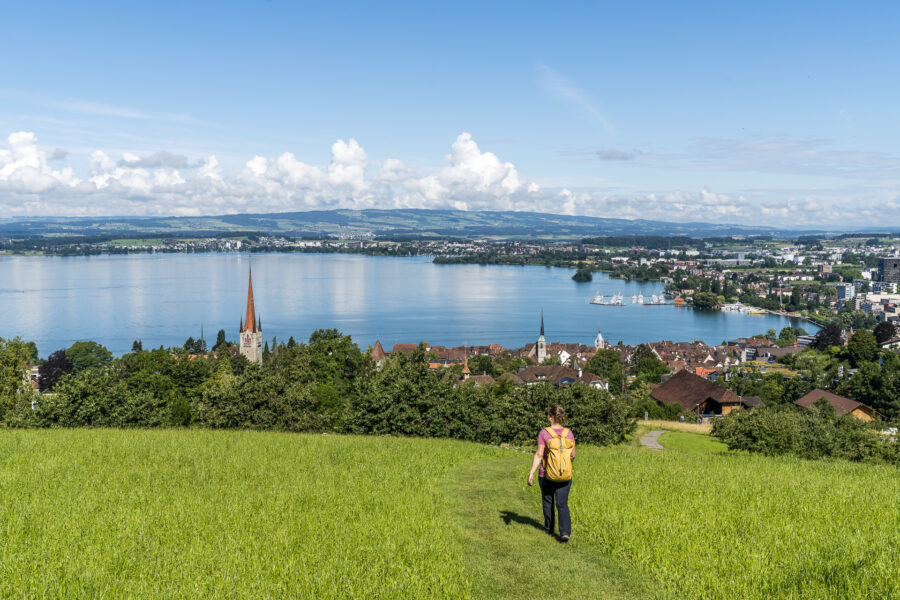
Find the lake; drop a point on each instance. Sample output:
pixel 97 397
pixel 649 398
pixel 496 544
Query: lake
pixel 162 299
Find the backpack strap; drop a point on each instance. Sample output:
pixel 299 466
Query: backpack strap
pixel 551 432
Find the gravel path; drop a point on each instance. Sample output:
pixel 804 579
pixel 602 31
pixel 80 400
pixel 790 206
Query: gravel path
pixel 651 440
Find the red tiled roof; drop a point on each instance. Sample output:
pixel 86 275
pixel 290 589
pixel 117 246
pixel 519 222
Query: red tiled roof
pixel 556 374
pixel 703 372
pixel 405 348
pixel 377 351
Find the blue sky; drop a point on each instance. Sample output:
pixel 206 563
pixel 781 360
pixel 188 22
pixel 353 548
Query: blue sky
pixel 763 113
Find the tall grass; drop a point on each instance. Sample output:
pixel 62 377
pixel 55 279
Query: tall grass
pixel 703 428
pixel 206 514
pixel 201 514
pixel 743 526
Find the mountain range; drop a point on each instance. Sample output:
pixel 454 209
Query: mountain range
pixel 399 223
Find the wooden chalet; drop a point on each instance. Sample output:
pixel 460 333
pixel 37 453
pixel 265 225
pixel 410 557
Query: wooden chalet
pixel 698 395
pixel 842 405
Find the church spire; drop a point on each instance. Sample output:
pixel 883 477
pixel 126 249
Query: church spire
pixel 542 323
pixel 465 371
pixel 250 320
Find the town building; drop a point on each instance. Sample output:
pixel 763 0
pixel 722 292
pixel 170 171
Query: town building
pixel 842 405
pixel 251 329
pixel 698 395
pixel 558 375
pixel 889 269
pixel 599 342
pixel 378 355
pixel 845 291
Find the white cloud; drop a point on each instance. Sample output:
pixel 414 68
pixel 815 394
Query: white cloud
pixel 24 168
pixel 472 179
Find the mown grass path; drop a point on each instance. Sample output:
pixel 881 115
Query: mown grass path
pixel 508 554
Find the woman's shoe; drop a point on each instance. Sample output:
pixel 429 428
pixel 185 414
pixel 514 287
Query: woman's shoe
pixel 564 538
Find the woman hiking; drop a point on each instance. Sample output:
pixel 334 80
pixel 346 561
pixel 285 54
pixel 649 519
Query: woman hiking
pixel 554 456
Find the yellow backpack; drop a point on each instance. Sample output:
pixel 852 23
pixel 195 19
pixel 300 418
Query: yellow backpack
pixel 558 457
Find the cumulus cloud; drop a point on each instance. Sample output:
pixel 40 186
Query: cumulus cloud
pixel 59 154
pixel 471 179
pixel 24 168
pixel 165 183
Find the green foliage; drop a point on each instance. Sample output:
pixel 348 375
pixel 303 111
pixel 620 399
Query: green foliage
pixel 606 364
pixel 862 346
pixel 788 336
pixel 53 369
pixel 482 365
pixel 405 398
pixel 327 385
pixel 884 331
pixel 221 342
pixel 15 356
pixel 583 275
pixel 645 366
pixel 706 300
pixel 828 336
pixel 770 387
pixel 809 433
pixel 553 359
pixel 88 355
pixel 855 319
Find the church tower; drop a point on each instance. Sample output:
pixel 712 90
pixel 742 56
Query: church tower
pixel 599 342
pixel 251 330
pixel 541 346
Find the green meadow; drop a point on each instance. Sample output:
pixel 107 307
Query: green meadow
pixel 209 514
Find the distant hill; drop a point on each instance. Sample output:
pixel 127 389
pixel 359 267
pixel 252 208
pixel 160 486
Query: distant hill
pixel 374 222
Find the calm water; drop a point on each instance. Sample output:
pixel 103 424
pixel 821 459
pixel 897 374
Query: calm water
pixel 163 299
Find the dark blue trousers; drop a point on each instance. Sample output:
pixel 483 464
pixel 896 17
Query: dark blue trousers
pixel 556 493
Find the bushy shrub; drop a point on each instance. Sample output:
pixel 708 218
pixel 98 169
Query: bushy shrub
pixel 810 433
pixel 327 385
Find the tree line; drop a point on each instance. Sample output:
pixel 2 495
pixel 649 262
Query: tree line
pixel 325 385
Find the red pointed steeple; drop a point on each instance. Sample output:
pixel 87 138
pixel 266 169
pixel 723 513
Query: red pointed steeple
pixel 250 320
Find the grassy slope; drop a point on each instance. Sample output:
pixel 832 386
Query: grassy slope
pixel 743 526
pixel 176 514
pixel 238 515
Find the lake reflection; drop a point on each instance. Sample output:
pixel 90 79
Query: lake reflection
pixel 162 299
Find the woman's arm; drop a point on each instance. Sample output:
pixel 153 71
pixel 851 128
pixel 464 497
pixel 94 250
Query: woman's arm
pixel 536 462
